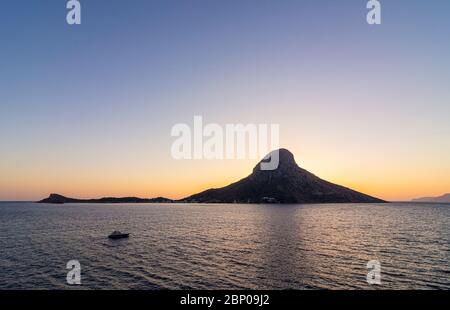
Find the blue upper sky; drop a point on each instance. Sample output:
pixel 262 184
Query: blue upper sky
pixel 338 87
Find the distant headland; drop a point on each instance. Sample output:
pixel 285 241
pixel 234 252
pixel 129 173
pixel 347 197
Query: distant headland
pixel 287 184
pixel 441 199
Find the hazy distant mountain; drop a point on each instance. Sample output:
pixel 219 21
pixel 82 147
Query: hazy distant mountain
pixel 442 199
pixel 58 199
pixel 287 184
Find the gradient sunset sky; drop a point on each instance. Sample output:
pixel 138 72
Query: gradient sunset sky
pixel 87 110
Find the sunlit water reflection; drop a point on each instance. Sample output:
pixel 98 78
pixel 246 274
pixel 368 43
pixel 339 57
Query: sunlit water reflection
pixel 225 246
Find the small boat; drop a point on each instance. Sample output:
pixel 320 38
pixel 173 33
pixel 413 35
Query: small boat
pixel 118 235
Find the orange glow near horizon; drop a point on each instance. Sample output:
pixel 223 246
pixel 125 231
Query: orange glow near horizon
pixel 188 177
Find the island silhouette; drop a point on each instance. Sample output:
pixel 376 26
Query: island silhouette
pixel 440 199
pixel 287 184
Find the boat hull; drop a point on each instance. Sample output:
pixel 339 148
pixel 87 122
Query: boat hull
pixel 121 236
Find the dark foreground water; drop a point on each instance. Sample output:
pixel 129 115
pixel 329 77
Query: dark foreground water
pixel 225 246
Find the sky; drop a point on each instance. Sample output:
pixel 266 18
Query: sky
pixel 87 110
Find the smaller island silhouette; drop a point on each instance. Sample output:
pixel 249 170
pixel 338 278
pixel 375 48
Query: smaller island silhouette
pixel 287 184
pixel 441 199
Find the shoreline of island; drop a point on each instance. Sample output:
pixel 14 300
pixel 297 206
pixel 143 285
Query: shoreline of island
pixel 287 184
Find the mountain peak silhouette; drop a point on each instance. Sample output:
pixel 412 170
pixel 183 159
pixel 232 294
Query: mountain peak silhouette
pixel 288 183
pixel 285 159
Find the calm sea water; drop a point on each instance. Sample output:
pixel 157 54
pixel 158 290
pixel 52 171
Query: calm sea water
pixel 225 246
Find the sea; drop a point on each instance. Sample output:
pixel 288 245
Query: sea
pixel 226 246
